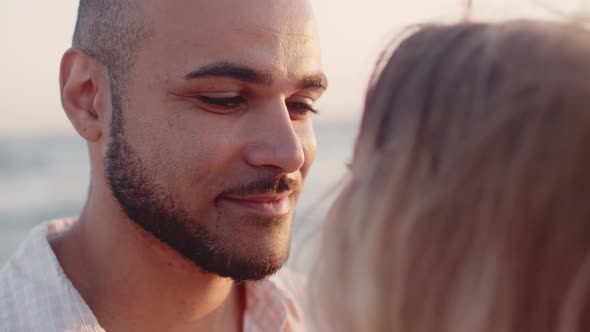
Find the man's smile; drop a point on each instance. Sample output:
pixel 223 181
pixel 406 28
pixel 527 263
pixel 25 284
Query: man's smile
pixel 267 204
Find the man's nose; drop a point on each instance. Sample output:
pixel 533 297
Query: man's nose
pixel 274 140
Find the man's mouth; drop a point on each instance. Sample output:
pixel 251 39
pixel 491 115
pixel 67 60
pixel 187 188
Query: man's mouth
pixel 267 204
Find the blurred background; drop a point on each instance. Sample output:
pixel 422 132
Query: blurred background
pixel 44 171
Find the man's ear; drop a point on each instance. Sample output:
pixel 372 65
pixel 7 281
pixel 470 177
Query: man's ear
pixel 83 84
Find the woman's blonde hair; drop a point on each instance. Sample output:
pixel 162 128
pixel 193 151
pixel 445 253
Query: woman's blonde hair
pixel 468 204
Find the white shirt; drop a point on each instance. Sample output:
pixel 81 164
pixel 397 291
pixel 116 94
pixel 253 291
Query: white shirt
pixel 36 295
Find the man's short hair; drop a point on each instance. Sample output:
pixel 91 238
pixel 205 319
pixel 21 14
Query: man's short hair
pixel 111 31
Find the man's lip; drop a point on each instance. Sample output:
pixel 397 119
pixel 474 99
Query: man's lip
pixel 259 198
pixel 271 205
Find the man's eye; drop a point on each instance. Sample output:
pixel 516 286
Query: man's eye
pixel 300 108
pixel 224 103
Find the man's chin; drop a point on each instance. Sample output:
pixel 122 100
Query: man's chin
pixel 254 250
pixel 244 268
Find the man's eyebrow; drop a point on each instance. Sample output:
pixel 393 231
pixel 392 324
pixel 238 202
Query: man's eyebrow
pixel 315 81
pixel 231 70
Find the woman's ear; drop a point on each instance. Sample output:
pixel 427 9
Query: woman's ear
pixel 82 79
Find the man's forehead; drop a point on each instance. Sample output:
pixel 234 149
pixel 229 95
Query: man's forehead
pixel 214 31
pixel 277 15
pixel 227 22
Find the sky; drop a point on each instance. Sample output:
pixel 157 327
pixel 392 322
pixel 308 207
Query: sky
pixel 35 33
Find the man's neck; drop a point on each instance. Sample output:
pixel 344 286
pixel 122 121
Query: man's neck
pixel 133 282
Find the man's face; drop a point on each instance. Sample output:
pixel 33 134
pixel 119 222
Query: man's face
pixel 215 136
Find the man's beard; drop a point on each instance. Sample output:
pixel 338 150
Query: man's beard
pixel 153 209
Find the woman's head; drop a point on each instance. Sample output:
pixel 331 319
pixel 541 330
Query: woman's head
pixel 468 203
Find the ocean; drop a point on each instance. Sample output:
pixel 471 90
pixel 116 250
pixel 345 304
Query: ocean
pixel 46 177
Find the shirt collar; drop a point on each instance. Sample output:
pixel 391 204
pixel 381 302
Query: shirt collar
pixel 270 304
